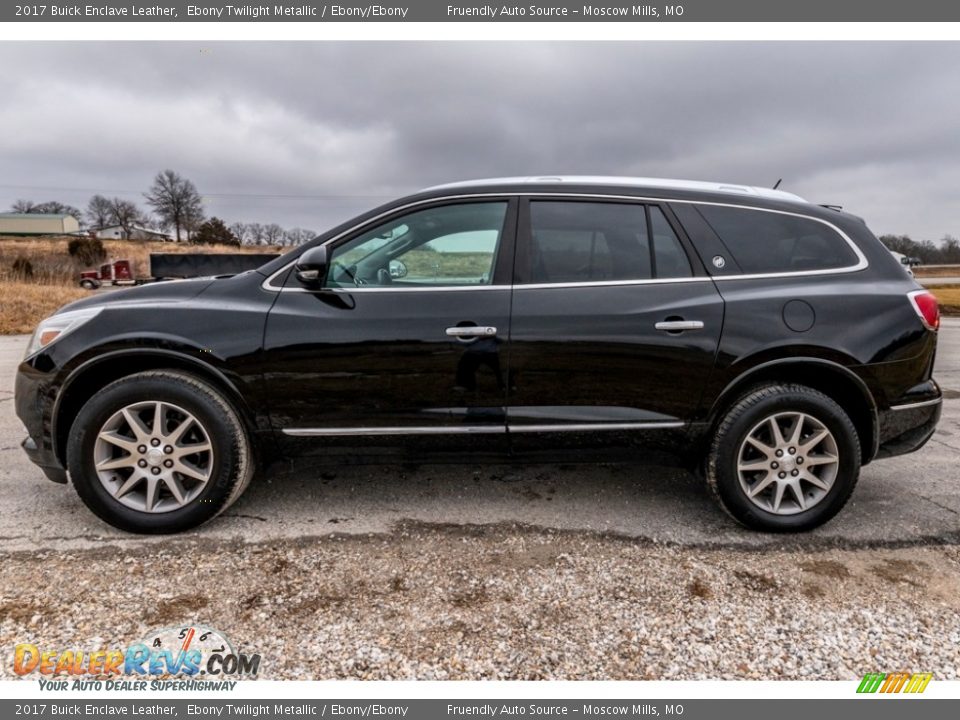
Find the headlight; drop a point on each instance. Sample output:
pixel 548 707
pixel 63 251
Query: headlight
pixel 56 326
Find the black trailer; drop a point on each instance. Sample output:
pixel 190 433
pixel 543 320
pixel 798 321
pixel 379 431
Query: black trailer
pixel 191 265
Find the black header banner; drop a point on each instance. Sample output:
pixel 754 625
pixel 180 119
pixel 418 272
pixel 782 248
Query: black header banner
pixel 444 11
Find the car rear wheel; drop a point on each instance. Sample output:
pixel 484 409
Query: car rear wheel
pixel 158 452
pixel 784 458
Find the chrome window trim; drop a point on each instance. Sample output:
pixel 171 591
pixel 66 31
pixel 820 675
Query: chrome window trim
pixel 477 429
pixel 861 263
pixel 921 404
pixel 381 289
pixel 610 283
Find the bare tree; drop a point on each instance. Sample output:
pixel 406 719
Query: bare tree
pixel 240 232
pixel 950 249
pixel 98 211
pixel 947 250
pixel 297 236
pixel 192 221
pixel 24 206
pixel 126 214
pixel 51 207
pixel 273 233
pixel 256 233
pixel 176 200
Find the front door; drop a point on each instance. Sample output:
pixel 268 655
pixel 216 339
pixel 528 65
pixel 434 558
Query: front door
pixel 406 338
pixel 615 326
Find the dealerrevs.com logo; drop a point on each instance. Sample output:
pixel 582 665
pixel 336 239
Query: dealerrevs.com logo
pixel 898 682
pixel 188 652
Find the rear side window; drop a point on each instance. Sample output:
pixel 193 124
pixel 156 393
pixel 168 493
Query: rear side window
pixel 771 242
pixel 599 242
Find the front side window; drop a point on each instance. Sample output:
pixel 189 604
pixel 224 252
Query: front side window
pixel 574 242
pixel 772 242
pixel 439 246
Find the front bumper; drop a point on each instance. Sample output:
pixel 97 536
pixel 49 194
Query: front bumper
pixel 906 428
pixel 33 401
pixel 46 461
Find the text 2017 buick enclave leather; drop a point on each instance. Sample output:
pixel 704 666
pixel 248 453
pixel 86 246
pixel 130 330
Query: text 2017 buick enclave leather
pixel 772 343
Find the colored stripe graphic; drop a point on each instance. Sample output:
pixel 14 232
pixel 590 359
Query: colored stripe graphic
pixel 894 682
pixel 871 682
pixel 918 682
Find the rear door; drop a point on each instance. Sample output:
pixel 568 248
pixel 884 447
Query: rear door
pixel 615 323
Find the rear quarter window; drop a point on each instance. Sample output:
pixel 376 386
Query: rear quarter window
pixel 772 242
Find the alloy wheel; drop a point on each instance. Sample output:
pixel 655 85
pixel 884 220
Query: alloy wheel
pixel 788 463
pixel 153 456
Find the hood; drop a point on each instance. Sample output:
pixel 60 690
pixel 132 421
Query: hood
pixel 170 291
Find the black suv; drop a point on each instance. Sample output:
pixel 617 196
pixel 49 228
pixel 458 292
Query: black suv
pixel 770 343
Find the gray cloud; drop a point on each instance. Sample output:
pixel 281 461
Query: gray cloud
pixel 310 133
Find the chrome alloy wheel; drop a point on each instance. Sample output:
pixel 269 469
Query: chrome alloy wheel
pixel 787 463
pixel 153 456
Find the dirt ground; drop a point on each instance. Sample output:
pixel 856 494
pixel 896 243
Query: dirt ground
pixel 505 602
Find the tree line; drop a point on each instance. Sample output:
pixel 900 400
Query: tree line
pixel 946 252
pixel 175 205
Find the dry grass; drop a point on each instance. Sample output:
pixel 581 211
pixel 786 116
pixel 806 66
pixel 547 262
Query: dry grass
pixel 949 298
pixel 52 263
pixel 923 271
pixel 23 305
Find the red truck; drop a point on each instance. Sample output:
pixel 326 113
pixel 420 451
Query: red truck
pixel 118 272
pixel 170 266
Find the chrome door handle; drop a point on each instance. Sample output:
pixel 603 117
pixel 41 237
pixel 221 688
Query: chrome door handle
pixel 471 332
pixel 679 325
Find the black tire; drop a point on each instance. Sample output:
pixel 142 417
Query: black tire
pixel 230 469
pixel 88 284
pixel 746 414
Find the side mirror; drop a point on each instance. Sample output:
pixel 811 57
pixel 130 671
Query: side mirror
pixel 398 269
pixel 311 267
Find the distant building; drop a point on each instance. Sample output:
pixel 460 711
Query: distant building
pixel 116 232
pixel 37 224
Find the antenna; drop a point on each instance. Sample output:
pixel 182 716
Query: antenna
pixel 777 184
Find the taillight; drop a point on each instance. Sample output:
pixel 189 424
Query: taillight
pixel 927 307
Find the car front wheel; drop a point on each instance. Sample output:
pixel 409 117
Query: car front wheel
pixel 784 458
pixel 158 452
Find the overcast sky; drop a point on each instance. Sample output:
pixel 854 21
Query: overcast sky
pixel 307 134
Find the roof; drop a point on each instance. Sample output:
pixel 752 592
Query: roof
pixel 24 216
pixel 633 182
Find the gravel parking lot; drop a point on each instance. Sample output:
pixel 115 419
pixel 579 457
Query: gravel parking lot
pixel 546 571
pixel 506 602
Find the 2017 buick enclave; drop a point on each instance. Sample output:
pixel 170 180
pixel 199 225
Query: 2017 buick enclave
pixel 773 343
